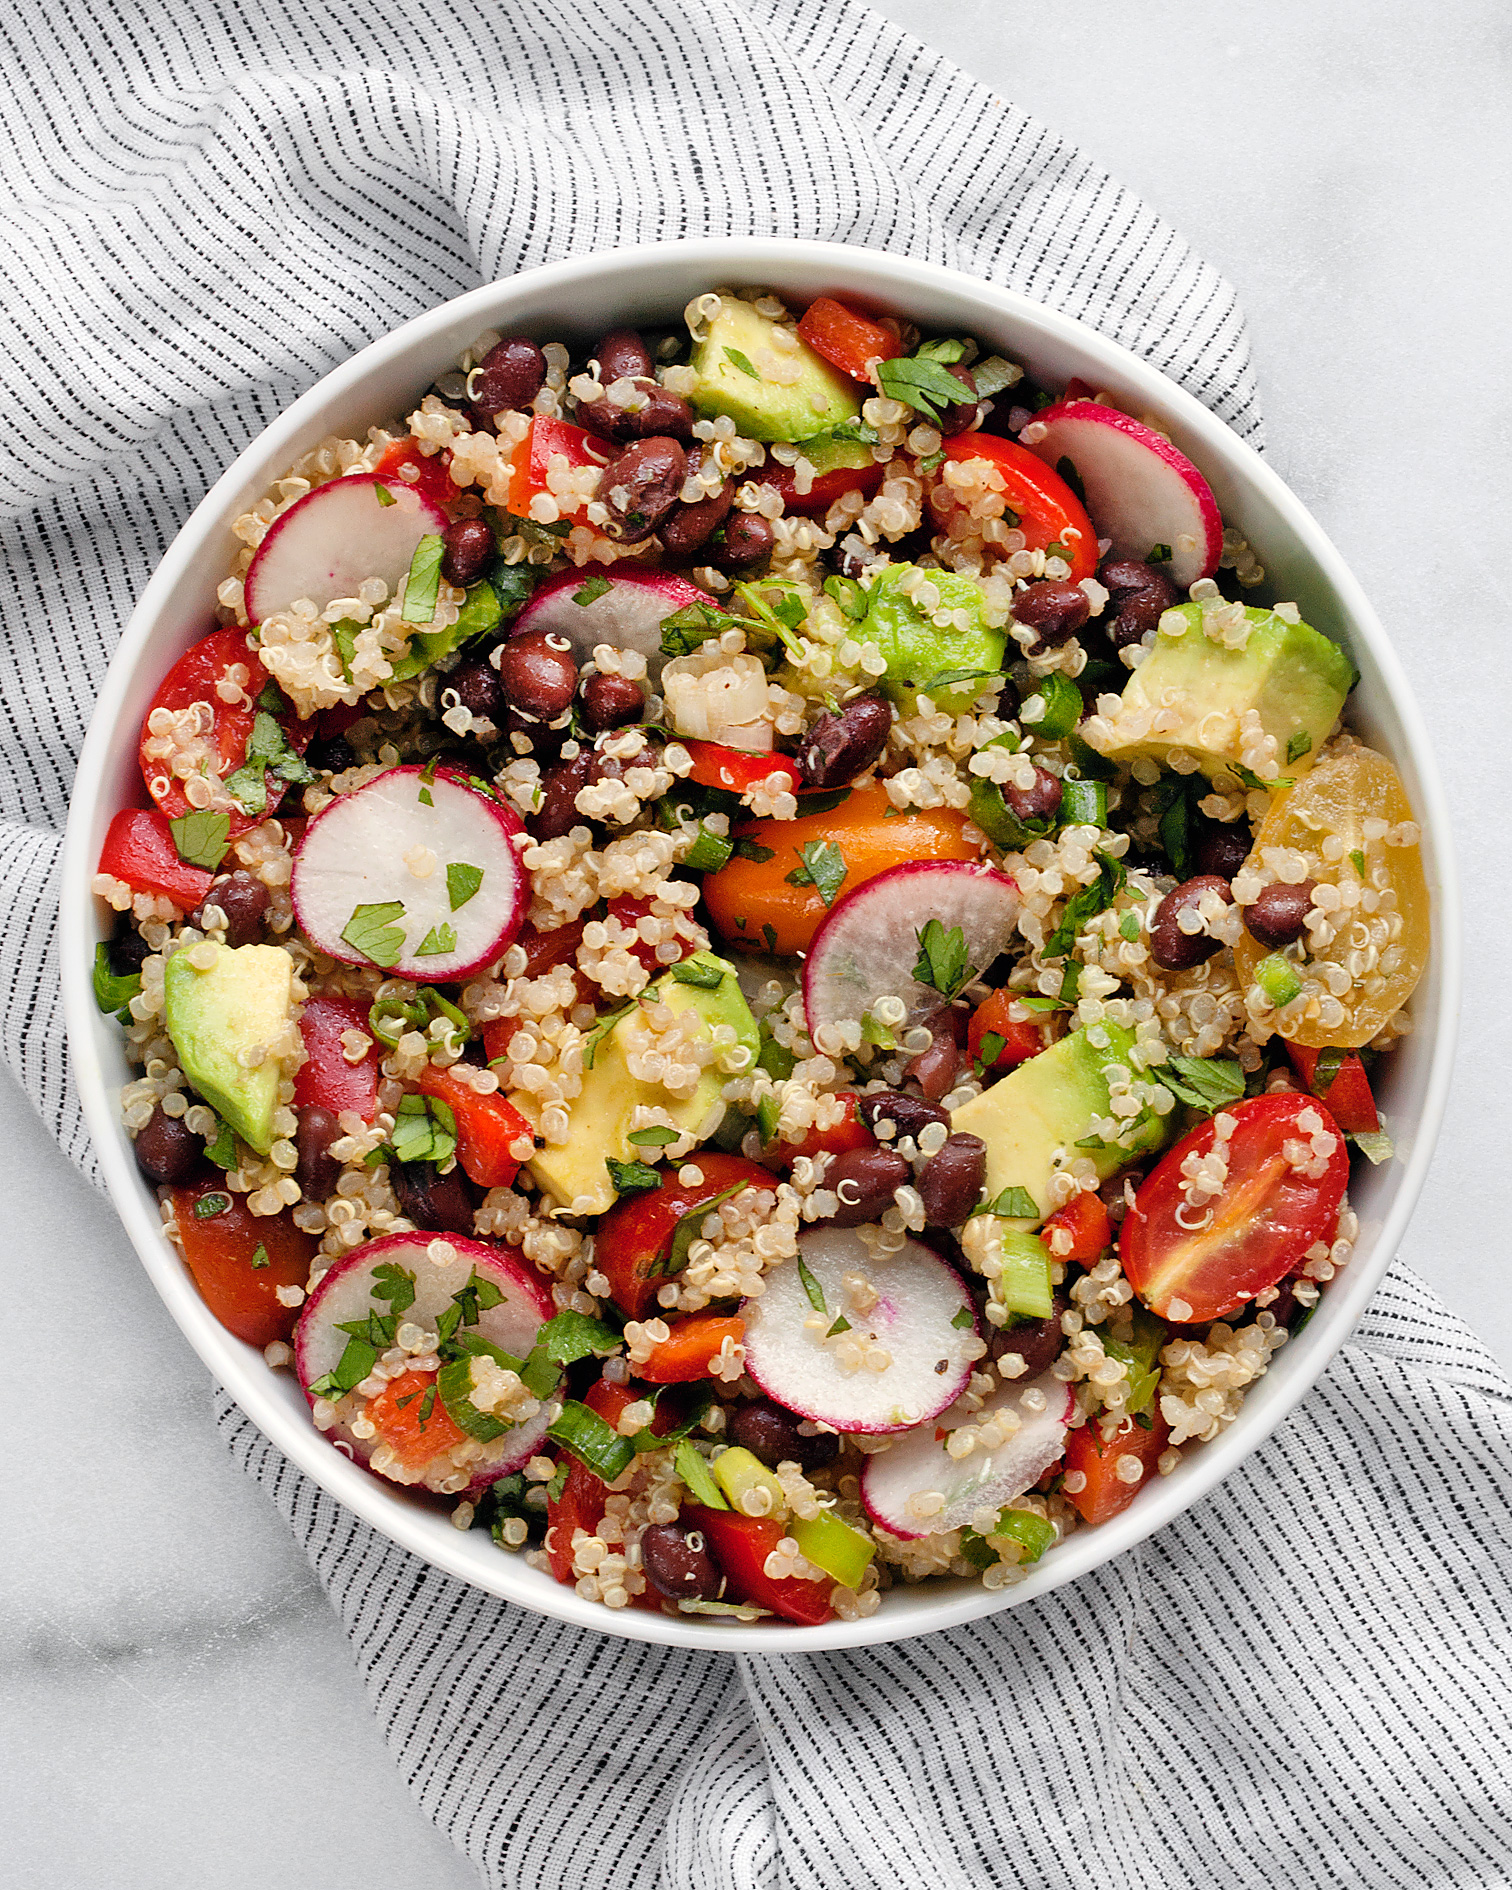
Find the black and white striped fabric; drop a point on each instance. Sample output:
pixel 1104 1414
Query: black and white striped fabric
pixel 1302 1681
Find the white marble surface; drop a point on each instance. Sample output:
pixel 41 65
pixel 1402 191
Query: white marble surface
pixel 177 1707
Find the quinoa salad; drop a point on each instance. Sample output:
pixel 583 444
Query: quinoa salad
pixel 751 954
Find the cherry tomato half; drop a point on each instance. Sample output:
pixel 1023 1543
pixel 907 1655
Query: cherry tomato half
pixel 636 1234
pixel 1191 1261
pixel 1049 512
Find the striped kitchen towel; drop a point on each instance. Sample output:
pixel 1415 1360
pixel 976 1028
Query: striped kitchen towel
pixel 1302 1681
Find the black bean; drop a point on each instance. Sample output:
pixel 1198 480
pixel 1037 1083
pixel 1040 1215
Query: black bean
pixel 640 486
pixel 656 413
pixel 961 414
pixel 748 541
pixel 166 1151
pixel 910 1113
pixel 467 551
pixel 676 1563
pixel 935 1070
pixel 441 1204
pixel 772 1434
pixel 1038 802
pixel 1038 1342
pixel 1053 610
pixel 1284 1307
pixel 1279 916
pixel 844 742
pixel 690 527
pixel 1140 594
pixel 623 356
pixel 244 900
pixel 509 375
pixel 950 1183
pixel 332 754
pixel 538 675
pixel 1170 947
pixel 1222 850
pixel 610 702
pixel 129 951
pixel 317 1170
pixel 864 1180
pixel 560 787
pixel 478 689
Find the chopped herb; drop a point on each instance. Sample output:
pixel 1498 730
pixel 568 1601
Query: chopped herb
pixel 1070 986
pixel 202 838
pixel 949 678
pixel 595 1443
pixel 270 745
pixel 427 1405
pixel 478 1296
pixel 811 1287
pixel 769 933
pixel 1034 1002
pixel 596 1036
pixel 742 361
pixel 573 1335
pixel 462 883
pixel 709 852
pixel 1086 904
pixel 691 1465
pixel 589 593
pixel 657 1136
pixel 1057 550
pixel 558 1481
pixel 259 1257
pixel 946 349
pixel 248 787
pixel 425 1130
pixel 849 595
pixel 1246 777
pixel 753 850
pixel 842 1324
pixel 1054 708
pixel 1014 1204
pixel 438 942
pixel 356 1361
pixel 1327 1067
pixel 424 581
pixel 1067 470
pixel 686 1232
pixel 112 991
pixel 921 382
pixel 222 1148
pixel 209 1205
pixel 1357 860
pixel 344 636
pixel 1299 745
pixel 632 1177
pixel 1158 554
pixel 1176 814
pixel 989 1050
pixel 706 976
pixel 931 460
pixel 942 959
pixel 455 1383
pixel 385 497
pixel 854 433
pixel 1128 926
pixel 272 698
pixel 394 1283
pixel 688 629
pixel 372 931
pixel 963 1319
pixel 823 867
pixel 1374 1144
pixel 1204 1082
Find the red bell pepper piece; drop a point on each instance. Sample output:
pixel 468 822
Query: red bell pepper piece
pixel 1018 1041
pixel 239 1259
pixel 487 1127
pixel 825 489
pixel 847 340
pixel 1087 1221
pixel 430 473
pixel 1103 1492
pixel 1347 1092
pixel 687 1354
pixel 1049 512
pixel 632 1238
pixel 531 460
pixel 139 849
pixel 741 1545
pixel 848 1133
pixel 735 769
pixel 327 1079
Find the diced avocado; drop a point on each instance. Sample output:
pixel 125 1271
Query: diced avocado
pixel 481 613
pixel 918 649
pixel 1292 677
pixel 1049 1104
pixel 734 362
pixel 827 454
pixel 242 1002
pixel 600 1117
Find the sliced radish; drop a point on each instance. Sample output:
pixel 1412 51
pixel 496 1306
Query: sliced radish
pixel 869 945
pixel 917 1318
pixel 439 849
pixel 1140 491
pixel 628 615
pixel 323 547
pixel 346 1297
pixel 921 1466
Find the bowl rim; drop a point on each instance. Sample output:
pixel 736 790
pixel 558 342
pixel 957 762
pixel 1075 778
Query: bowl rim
pixel 241 1370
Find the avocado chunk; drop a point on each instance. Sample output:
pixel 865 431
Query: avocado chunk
pixel 242 1002
pixel 576 1173
pixel 1292 677
pixel 917 648
pixel 735 362
pixel 1047 1107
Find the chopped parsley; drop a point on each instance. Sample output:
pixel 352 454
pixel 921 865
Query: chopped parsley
pixel 963 1319
pixel 942 959
pixel 632 1177
pixel 691 1466
pixel 589 593
pixel 259 1257
pixel 1357 860
pixel 202 838
pixel 989 1050
pixel 222 1148
pixel 1299 745
pixel 923 382
pixel 1013 1204
pixel 462 883
pixel 373 930
pixel 741 361
pixel 812 1288
pixel 423 584
pixel 209 1205
pixel 574 1335
pixel 769 933
pixel 823 867
pixel 675 1258
pixel 425 1130
pixel 385 497
pixel 1086 904
pixel 657 1136
pixel 1206 1083
pixel 706 976
pixel 438 942
pixel 1158 554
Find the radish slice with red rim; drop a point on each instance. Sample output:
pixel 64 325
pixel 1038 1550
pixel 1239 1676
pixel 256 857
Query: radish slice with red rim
pixel 900 1485
pixel 360 526
pixel 420 876
pixel 624 608
pixel 869 945
pixel 922 1315
pixel 363 1284
pixel 1139 491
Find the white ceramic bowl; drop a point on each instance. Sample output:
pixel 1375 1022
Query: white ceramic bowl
pixel 577 300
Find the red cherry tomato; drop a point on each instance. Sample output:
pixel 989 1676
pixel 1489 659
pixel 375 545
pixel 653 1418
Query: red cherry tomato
pixel 1191 1263
pixel 1019 1041
pixel 414 1429
pixel 1104 1493
pixel 734 769
pixel 487 1127
pixel 531 460
pixel 327 1079
pixel 630 912
pixel 636 1234
pixel 848 1133
pixel 847 340
pixel 741 1545
pixel 824 488
pixel 1086 1220
pixel 222 742
pixel 240 1259
pixel 1049 512
pixel 694 1344
pixel 139 849
pixel 429 472
pixel 1347 1091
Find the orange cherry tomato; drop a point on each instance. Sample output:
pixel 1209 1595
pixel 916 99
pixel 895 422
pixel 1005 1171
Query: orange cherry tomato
pixel 736 769
pixel 139 849
pixel 1191 1262
pixel 487 1127
pixel 848 1133
pixel 633 1239
pixel 412 1420
pixel 690 1351
pixel 1347 1091
pixel 240 1259
pixel 847 340
pixel 327 1079
pixel 1104 1492
pixel 531 460
pixel 1019 1041
pixel 194 681
pixel 1086 1220
pixel 1049 512
pixel 740 1545
pixel 747 896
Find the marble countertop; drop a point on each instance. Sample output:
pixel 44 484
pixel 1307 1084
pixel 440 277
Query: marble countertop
pixel 179 1708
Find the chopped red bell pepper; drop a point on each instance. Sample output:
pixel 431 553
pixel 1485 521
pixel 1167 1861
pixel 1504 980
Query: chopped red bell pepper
pixel 431 474
pixel 740 1545
pixel 139 849
pixel 1102 1492
pixel 825 488
pixel 1049 512
pixel 847 340
pixel 848 1133
pixel 1347 1091
pixel 531 460
pixel 1088 1223
pixel 487 1127
pixel 735 769
pixel 1016 1042
pixel 693 1345
pixel 327 1079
